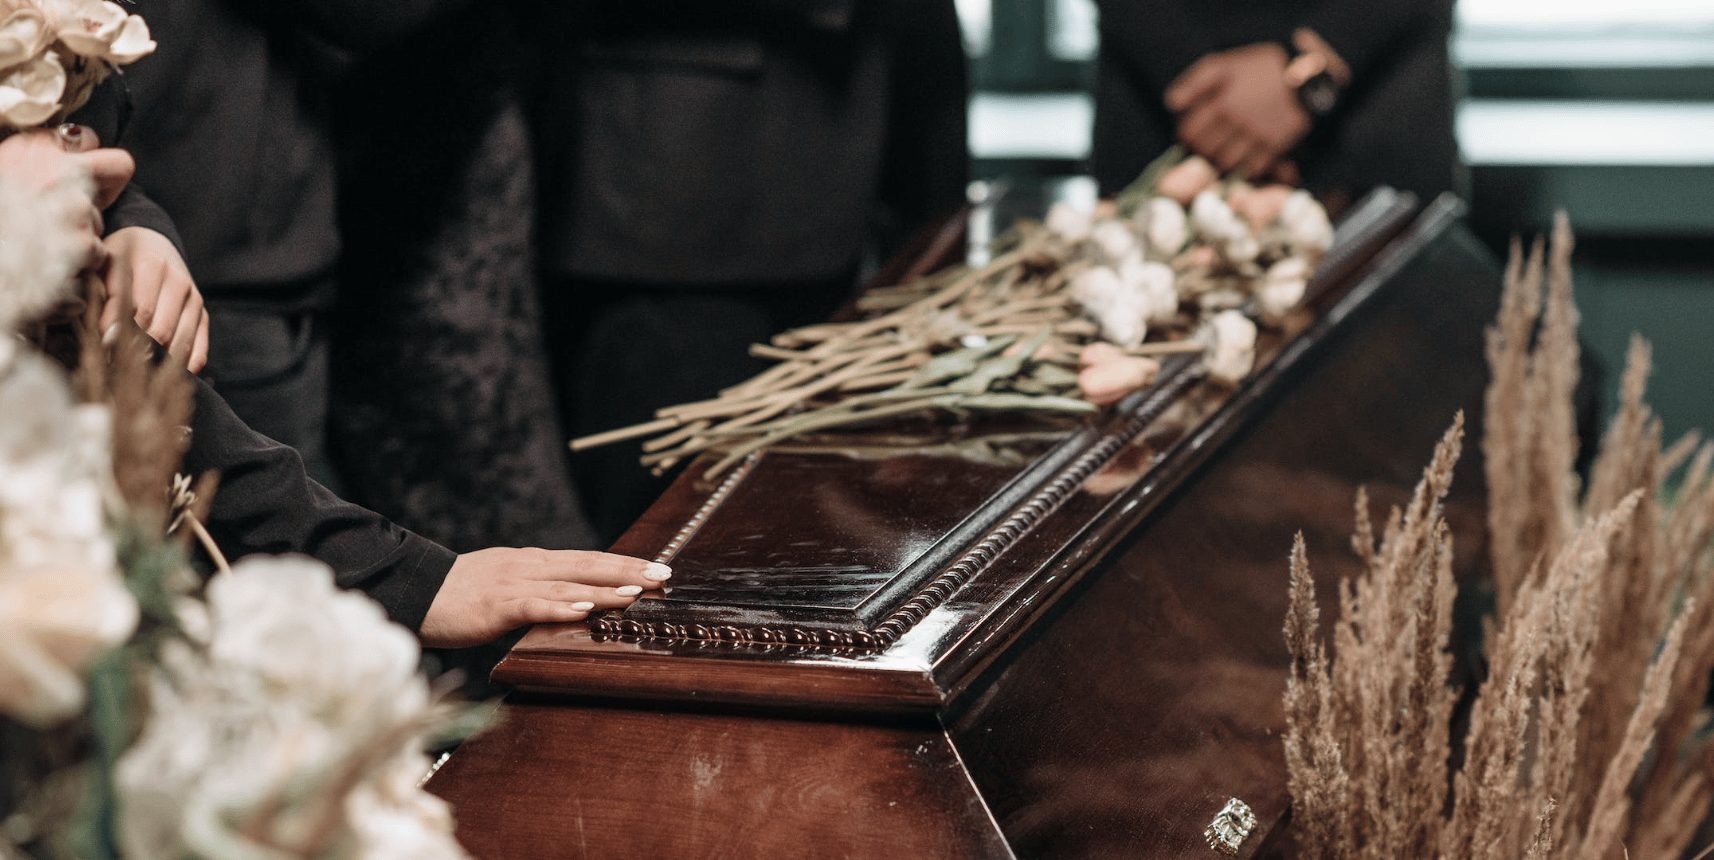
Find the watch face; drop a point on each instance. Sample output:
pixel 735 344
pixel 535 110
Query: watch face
pixel 1319 95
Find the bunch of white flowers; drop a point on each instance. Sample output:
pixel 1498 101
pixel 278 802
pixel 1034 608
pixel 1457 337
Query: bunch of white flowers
pixel 1229 340
pixel 41 246
pixel 1199 248
pixel 54 52
pixel 289 725
pixel 62 601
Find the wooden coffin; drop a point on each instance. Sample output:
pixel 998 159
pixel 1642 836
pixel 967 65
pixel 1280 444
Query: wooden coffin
pixel 990 641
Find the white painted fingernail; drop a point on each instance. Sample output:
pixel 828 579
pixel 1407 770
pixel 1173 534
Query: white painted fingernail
pixel 582 606
pixel 628 590
pixel 658 572
pixel 111 335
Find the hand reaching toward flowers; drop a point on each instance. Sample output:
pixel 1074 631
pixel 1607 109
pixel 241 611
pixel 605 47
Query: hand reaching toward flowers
pixel 164 298
pixel 493 591
pixel 1236 109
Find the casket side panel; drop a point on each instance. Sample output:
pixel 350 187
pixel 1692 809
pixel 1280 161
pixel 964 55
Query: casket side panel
pixel 1149 694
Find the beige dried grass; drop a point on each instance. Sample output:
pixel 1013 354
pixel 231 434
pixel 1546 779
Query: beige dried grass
pixel 1585 739
pixel 150 401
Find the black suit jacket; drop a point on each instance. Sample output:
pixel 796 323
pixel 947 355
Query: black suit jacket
pixel 1393 128
pixel 742 141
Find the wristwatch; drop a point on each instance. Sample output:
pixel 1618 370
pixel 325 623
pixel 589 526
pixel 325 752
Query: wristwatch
pixel 1309 75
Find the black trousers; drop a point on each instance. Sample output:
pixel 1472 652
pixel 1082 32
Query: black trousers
pixel 623 350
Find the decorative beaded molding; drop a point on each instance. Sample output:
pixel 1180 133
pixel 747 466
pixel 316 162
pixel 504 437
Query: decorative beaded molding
pixel 1230 827
pixel 694 524
pixel 1179 375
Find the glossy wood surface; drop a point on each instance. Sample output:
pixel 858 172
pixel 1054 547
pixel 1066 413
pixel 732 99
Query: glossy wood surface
pixel 1150 693
pixel 1098 688
pixel 822 529
pixel 589 782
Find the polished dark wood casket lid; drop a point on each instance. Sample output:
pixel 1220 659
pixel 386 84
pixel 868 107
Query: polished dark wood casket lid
pixel 994 640
pixel 822 574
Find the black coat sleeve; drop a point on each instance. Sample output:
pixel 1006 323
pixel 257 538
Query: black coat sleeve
pixel 1364 33
pixel 135 209
pixel 267 503
pixel 106 114
pixel 1154 42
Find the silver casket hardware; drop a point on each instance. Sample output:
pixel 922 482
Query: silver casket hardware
pixel 1230 827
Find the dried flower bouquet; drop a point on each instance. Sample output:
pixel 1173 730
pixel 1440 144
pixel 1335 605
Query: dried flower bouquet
pixel 1070 314
pixel 1588 738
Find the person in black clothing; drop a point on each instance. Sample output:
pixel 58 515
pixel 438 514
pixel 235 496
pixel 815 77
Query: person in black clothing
pixel 443 415
pixel 229 138
pixel 380 265
pixel 267 503
pixel 711 174
pixel 1340 95
pixel 231 134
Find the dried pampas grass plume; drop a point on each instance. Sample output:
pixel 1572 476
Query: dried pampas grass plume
pixel 1367 731
pixel 1529 428
pixel 151 401
pixel 1587 739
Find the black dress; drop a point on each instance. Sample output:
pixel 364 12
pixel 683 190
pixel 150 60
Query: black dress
pixel 443 417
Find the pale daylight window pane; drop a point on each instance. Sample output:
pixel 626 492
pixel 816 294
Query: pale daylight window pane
pixel 1583 14
pixel 976 18
pixel 1071 30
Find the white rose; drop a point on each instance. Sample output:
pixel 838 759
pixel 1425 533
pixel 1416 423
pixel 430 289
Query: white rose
pixel 1241 247
pixel 1282 288
pixel 1123 322
pixel 396 820
pixel 336 650
pixel 1068 222
pixel 1213 219
pixel 266 728
pixel 1306 226
pixel 53 623
pixel 23 35
pixel 102 30
pixel 1156 283
pixel 1164 226
pixel 1114 238
pixel 62 602
pixel 30 93
pixel 1096 286
pixel 1231 340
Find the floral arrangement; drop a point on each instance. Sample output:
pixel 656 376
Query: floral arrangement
pixel 1070 315
pixel 53 53
pixel 1588 738
pixel 144 714
pixel 1198 243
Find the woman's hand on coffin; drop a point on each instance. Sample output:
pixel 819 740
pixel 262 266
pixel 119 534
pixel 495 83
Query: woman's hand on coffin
pixel 491 592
